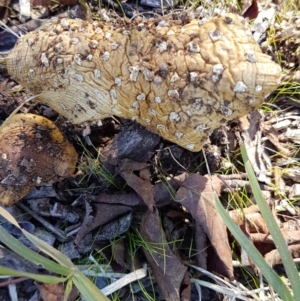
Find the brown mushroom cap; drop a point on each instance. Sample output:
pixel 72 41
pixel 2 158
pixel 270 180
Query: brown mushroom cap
pixel 33 152
pixel 179 81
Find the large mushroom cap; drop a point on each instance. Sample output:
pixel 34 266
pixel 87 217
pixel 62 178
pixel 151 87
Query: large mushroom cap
pixel 33 152
pixel 180 81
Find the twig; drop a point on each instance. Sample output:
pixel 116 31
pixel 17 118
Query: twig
pixel 12 281
pixel 234 293
pixel 59 234
pixel 12 289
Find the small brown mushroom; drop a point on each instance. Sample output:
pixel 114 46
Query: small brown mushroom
pixel 180 81
pixel 33 152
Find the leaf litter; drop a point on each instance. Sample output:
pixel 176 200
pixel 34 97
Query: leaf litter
pixel 149 179
pixel 197 195
pixel 167 269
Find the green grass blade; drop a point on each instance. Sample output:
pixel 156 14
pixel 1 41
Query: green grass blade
pixel 88 290
pixel 281 246
pixel 37 277
pixel 68 289
pixel 40 244
pixel 30 255
pixel 9 217
pixel 272 278
pixel 49 250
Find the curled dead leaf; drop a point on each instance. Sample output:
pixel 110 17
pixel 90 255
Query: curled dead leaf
pixel 168 270
pixel 141 185
pixel 274 258
pixel 33 152
pixel 250 222
pixel 55 292
pixel 249 9
pixel 197 195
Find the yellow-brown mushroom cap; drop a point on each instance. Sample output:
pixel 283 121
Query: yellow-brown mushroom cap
pixel 33 152
pixel 179 81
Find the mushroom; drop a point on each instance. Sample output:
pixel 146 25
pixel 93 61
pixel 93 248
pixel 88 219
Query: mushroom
pixel 33 152
pixel 180 81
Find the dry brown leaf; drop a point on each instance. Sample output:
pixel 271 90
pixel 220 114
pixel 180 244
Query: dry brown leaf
pixel 168 271
pixel 186 288
pixel 96 218
pixel 197 195
pixel 142 187
pixel 115 228
pixel 274 258
pixel 201 246
pixel 252 222
pixel 55 292
pixel 4 11
pixel 250 125
pixel 271 133
pixel 291 225
pixel 128 199
pixel 119 253
pixel 133 142
pixel 291 237
pixel 164 193
pixel 116 205
pixel 250 9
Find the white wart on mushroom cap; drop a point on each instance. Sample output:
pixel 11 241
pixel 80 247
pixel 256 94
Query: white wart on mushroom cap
pixel 179 81
pixel 33 152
